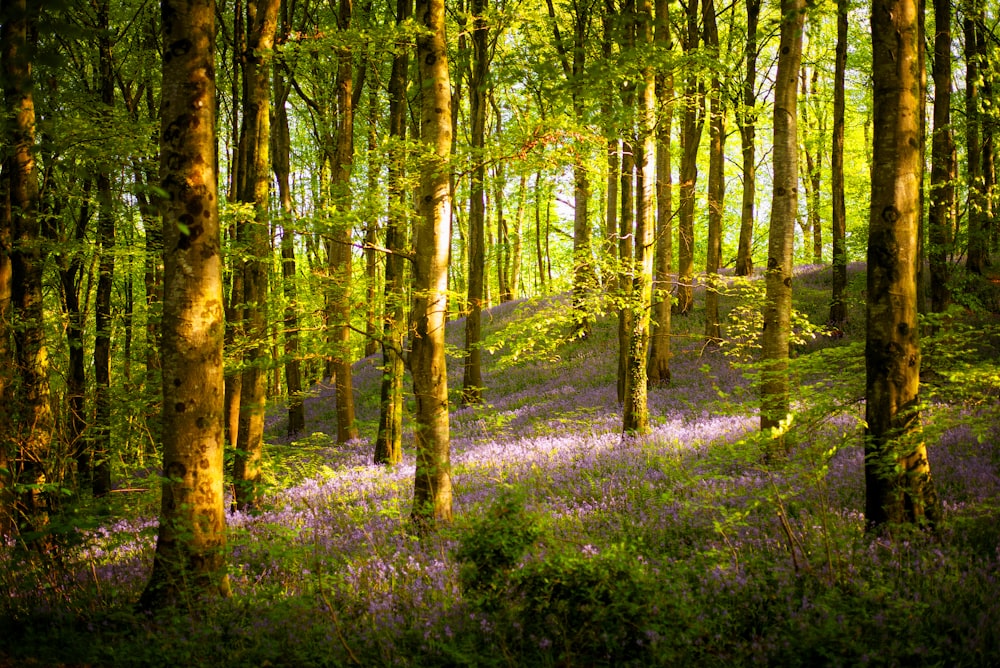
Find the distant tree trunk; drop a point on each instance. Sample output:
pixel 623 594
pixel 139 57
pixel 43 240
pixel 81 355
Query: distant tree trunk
pixel 747 120
pixel 716 181
pixel 540 254
pixel 626 217
pixel 281 167
pixel 784 204
pixel 7 396
pixel 898 485
pixel 693 121
pixel 340 248
pixel 573 61
pixel 838 236
pixel 636 411
pixel 389 441
pixel 659 355
pixel 472 383
pixel 101 449
pixel 517 245
pixel 976 252
pixel 812 176
pixel 262 23
pixel 432 482
pixel 189 563
pixel 371 226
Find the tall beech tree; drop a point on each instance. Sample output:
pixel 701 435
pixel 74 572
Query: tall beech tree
pixel 746 118
pixel 838 231
pixel 472 382
pixel 190 548
pixel 898 486
pixel 781 233
pixel 254 233
pixel 28 410
pixel 388 441
pixel 636 411
pixel 432 480
pixel 691 130
pixel 944 163
pixel 716 178
pixel 659 354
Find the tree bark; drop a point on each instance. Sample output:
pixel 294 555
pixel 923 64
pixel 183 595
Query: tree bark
pixel 262 23
pixel 432 495
pixel 691 129
pixel 898 486
pixel 784 205
pixel 472 382
pixel 716 181
pixel 976 250
pixel 636 412
pixel 838 234
pixel 189 563
pixel 388 442
pixel 747 119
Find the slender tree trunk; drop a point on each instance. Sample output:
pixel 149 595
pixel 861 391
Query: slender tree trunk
pixel 784 204
pixel 432 482
pixel 898 486
pixel 472 383
pixel 636 411
pixel 539 253
pixel 101 452
pixel 976 252
pixel 626 218
pixel 262 23
pixel 659 356
pixel 812 176
pixel 388 443
pixel 691 129
pixel 189 563
pixel 281 167
pixel 371 226
pixel 716 181
pixel 838 236
pixel 340 248
pixel 517 245
pixel 747 119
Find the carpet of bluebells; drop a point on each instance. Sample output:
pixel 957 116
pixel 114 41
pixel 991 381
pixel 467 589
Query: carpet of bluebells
pixel 573 545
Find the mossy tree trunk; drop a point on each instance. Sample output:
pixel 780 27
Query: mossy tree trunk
pixel 747 120
pixel 838 232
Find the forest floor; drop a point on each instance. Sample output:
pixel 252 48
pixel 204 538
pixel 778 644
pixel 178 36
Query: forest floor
pixel 573 545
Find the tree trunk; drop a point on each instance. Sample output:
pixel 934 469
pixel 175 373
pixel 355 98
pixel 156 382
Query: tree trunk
pixel 636 412
pixel 897 475
pixel 784 204
pixel 340 248
pixel 388 442
pixel 280 165
pixel 101 449
pixel 838 307
pixel 747 119
pixel 716 182
pixel 432 481
pixel 189 563
pixel 691 129
pixel 472 382
pixel 262 23
pixel 659 355
pixel 371 226
pixel 976 251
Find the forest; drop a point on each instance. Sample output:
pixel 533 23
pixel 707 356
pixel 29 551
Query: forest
pixel 499 332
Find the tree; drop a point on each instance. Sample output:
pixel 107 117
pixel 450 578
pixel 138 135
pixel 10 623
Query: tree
pixel 432 480
pixel 691 129
pixel 190 548
pixel 944 163
pixel 28 410
pixel 388 442
pixel 659 354
pixel 898 486
pixel 977 225
pixel 472 383
pixel 747 120
pixel 636 412
pixel 784 205
pixel 716 179
pixel 838 233
pixel 254 233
